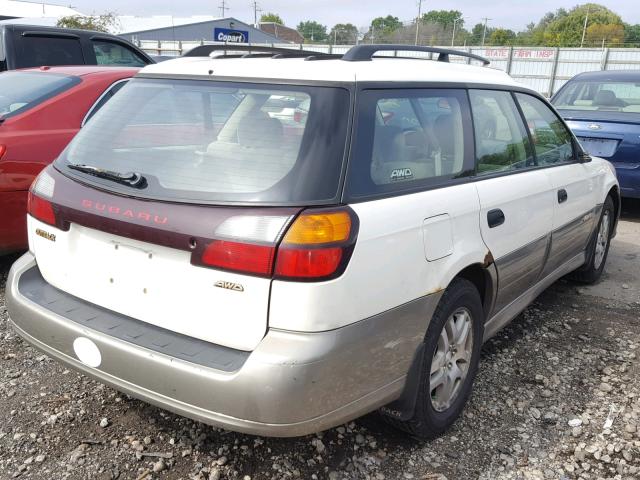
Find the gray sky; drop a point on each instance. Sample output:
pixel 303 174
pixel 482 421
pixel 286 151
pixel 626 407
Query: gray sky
pixel 514 14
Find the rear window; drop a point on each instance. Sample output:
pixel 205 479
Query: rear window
pixel 219 142
pixel 20 91
pixel 607 96
pixel 41 50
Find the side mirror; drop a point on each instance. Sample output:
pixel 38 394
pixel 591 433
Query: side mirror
pixel 584 157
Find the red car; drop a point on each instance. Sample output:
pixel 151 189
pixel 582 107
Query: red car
pixel 41 109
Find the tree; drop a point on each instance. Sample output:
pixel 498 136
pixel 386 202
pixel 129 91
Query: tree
pixel 445 18
pixel 312 31
pixel 501 37
pixel 609 33
pixel 271 18
pixel 383 27
pixel 476 34
pixel 632 35
pixel 566 30
pixel 106 22
pixel 344 33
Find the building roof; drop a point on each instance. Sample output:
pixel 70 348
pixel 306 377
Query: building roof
pixel 22 9
pixel 135 24
pixel 282 32
pixel 334 70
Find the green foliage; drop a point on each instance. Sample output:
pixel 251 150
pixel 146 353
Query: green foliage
pixel 382 27
pixel 501 36
pixel 632 35
pixel 343 34
pixel 566 31
pixel 271 18
pixel 313 31
pixel 106 22
pixel 476 34
pixel 445 18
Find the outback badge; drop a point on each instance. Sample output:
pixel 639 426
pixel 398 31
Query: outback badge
pixel 236 287
pixel 46 235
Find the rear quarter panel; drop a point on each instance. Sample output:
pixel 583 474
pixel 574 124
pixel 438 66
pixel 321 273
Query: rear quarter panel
pixel 389 266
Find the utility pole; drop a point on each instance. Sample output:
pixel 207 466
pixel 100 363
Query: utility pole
pixel 254 4
pixel 223 8
pixel 484 31
pixel 418 20
pixel 453 34
pixel 584 28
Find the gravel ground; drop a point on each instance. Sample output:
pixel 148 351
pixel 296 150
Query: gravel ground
pixel 557 397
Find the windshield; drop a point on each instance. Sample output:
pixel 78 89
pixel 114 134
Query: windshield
pixel 20 91
pixel 210 142
pixel 602 96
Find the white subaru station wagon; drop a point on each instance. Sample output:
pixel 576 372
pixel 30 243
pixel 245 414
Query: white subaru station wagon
pixel 279 241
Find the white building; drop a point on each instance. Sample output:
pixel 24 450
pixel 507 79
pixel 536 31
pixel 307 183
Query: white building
pixel 37 11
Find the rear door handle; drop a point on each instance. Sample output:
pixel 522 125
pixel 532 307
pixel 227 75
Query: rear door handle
pixel 495 218
pixel 562 195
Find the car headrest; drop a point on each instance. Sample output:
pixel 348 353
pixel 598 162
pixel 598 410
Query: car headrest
pixel 606 98
pixel 259 130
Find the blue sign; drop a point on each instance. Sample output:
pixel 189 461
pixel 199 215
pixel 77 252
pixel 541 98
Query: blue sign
pixel 231 36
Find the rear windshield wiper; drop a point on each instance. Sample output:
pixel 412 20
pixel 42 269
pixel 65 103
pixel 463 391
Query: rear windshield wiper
pixel 131 179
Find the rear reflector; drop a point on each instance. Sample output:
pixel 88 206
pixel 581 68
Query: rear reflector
pixel 40 209
pixel 242 257
pixel 3 150
pixel 308 263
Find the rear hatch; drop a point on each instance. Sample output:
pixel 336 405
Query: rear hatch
pixel 168 206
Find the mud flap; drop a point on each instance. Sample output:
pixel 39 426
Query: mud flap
pixel 403 408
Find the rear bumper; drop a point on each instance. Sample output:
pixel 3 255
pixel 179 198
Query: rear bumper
pixel 292 384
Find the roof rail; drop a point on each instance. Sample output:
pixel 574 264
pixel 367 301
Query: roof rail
pixel 363 53
pixel 206 50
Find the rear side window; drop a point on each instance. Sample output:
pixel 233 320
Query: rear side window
pixel 36 51
pixel 409 139
pixel 206 141
pixel 20 91
pixel 551 138
pixel 502 142
pixel 110 53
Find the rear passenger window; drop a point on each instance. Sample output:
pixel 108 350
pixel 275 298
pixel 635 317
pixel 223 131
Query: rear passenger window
pixel 502 142
pixel 551 139
pixel 52 51
pixel 408 139
pixel 109 53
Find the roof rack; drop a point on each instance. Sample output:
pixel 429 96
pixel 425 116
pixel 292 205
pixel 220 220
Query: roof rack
pixel 363 53
pixel 206 50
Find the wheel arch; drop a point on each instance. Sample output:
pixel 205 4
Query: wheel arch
pixel 614 193
pixel 485 278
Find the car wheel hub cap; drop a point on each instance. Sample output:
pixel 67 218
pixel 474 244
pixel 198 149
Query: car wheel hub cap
pixel 451 359
pixel 602 240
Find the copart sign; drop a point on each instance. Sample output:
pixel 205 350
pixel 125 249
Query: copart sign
pixel 231 36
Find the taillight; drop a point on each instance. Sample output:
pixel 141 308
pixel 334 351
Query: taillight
pixel 38 204
pixel 243 257
pixel 41 209
pixel 3 150
pixel 317 246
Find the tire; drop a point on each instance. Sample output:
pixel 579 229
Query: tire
pixel 433 415
pixel 598 248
